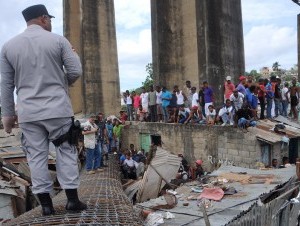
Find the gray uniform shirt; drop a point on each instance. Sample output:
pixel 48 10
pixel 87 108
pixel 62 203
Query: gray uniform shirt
pixel 34 63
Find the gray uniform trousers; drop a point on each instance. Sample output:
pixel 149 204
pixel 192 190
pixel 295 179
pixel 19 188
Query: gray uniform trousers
pixel 35 140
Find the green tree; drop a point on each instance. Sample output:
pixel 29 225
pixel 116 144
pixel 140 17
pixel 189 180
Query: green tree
pixel 276 66
pixel 255 75
pixel 149 79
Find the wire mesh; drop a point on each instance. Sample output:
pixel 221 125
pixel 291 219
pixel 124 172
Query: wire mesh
pixel 104 196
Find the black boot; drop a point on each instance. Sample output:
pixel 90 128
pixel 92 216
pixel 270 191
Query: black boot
pixel 74 203
pixel 46 203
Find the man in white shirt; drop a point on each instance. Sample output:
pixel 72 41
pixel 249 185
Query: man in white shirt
pixel 237 99
pixel 285 99
pixel 183 114
pixel 129 167
pixel 129 100
pixel 226 113
pixel 144 100
pixel 195 105
pixel 90 131
pixel 159 103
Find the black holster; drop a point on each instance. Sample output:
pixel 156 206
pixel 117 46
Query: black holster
pixel 71 136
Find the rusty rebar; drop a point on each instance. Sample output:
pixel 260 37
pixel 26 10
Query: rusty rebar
pixel 104 196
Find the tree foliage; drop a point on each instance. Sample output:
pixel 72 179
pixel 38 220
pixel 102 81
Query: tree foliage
pixel 149 79
pixel 255 75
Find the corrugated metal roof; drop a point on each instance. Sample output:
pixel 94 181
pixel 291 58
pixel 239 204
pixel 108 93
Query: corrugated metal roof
pixel 265 131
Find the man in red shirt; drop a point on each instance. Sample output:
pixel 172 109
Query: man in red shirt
pixel 228 88
pixel 261 97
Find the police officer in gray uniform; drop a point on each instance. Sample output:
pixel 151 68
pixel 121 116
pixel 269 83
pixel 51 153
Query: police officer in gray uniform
pixel 41 65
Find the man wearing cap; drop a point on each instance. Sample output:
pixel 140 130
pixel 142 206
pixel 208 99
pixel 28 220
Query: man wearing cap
pixel 241 86
pixel 228 88
pixel 33 62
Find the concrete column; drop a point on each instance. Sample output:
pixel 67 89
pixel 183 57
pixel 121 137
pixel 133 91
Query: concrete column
pixel 72 31
pixel 100 61
pixel 97 35
pixel 174 39
pixel 197 40
pixel 220 43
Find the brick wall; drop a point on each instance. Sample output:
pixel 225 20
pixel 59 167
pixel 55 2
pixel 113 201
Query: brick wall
pixel 227 144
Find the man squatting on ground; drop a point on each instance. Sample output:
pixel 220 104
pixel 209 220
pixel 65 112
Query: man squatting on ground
pixel 33 62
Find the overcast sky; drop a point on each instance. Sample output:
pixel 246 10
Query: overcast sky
pixel 270 32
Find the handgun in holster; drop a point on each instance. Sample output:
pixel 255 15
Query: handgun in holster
pixel 71 136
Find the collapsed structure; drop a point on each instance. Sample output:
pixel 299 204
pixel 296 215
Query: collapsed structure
pixel 108 204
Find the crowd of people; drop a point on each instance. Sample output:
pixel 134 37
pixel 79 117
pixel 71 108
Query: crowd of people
pixel 240 108
pixel 244 103
pixel 102 136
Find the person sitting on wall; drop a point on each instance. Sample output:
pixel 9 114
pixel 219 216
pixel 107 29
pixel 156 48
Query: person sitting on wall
pixel 211 115
pixel 129 167
pixel 195 113
pixel 141 114
pixel 243 117
pixel 226 113
pixel 183 114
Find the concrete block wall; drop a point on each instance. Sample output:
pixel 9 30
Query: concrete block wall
pixel 227 144
pixel 239 148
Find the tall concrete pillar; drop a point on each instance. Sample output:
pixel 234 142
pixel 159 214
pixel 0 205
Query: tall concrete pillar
pixel 298 41
pixel 100 60
pixel 174 39
pixel 100 82
pixel 72 31
pixel 197 40
pixel 220 42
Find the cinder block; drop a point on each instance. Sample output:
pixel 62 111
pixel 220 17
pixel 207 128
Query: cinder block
pixel 244 154
pixel 237 159
pixel 233 152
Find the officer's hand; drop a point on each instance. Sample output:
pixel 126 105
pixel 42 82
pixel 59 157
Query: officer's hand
pixel 8 123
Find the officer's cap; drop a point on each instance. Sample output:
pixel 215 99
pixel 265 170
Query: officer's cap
pixel 35 11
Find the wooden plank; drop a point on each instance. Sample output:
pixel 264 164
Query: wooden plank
pixel 12 153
